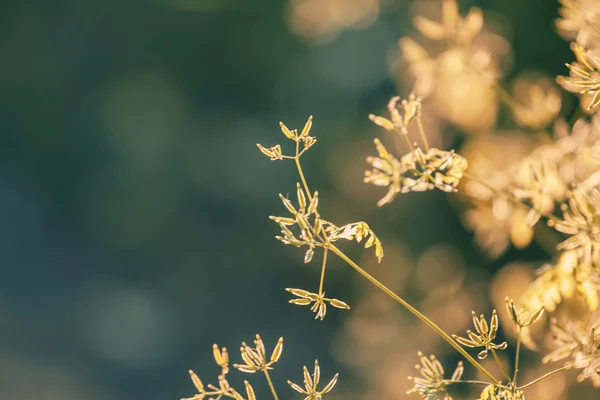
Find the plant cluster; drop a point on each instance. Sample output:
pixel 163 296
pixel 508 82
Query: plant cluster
pixel 550 183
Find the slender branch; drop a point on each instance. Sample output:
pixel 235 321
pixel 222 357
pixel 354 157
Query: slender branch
pixel 471 382
pixel 517 355
pixel 566 367
pixel 422 132
pixel 301 173
pixel 273 392
pixel 500 365
pixel 404 134
pixel 414 311
pixel 323 271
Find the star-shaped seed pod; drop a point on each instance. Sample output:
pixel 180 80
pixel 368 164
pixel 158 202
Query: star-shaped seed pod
pixel 432 384
pixel 521 316
pixel 484 336
pixel 256 358
pixel 311 382
pixel 320 301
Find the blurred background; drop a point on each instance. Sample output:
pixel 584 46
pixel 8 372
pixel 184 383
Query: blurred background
pixel 134 202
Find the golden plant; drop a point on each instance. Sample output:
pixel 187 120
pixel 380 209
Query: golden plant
pixel 549 193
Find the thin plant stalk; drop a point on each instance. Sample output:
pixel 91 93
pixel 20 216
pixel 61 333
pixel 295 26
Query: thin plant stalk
pixel 468 382
pixel 273 392
pixel 517 355
pixel 414 311
pixel 422 132
pixel 299 167
pixel 323 270
pixel 499 362
pixel 566 367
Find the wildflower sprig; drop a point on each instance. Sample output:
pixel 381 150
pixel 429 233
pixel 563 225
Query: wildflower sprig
pixel 305 227
pixel 316 232
pixel 522 317
pixel 498 392
pixel 418 170
pixel 432 385
pixel 484 335
pixel 224 389
pixel 256 358
pixel 318 301
pixel 542 184
pixel 356 231
pixel 310 384
pixel 275 152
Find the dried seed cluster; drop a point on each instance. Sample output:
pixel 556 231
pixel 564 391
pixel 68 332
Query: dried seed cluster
pixel 418 170
pixel 310 384
pixel 483 336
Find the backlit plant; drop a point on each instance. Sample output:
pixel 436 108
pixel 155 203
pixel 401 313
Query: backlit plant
pixel 553 186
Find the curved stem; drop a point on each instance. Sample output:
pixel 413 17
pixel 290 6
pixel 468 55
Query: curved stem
pixel 566 367
pixel 415 312
pixel 273 392
pixel 323 271
pixel 500 365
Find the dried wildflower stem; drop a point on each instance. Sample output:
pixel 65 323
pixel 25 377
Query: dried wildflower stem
pixel 468 382
pixel 323 271
pixel 499 362
pixel 273 392
pixel 422 132
pixel 517 355
pixel 404 134
pixel 415 312
pixel 419 156
pixel 541 378
pixel 300 173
